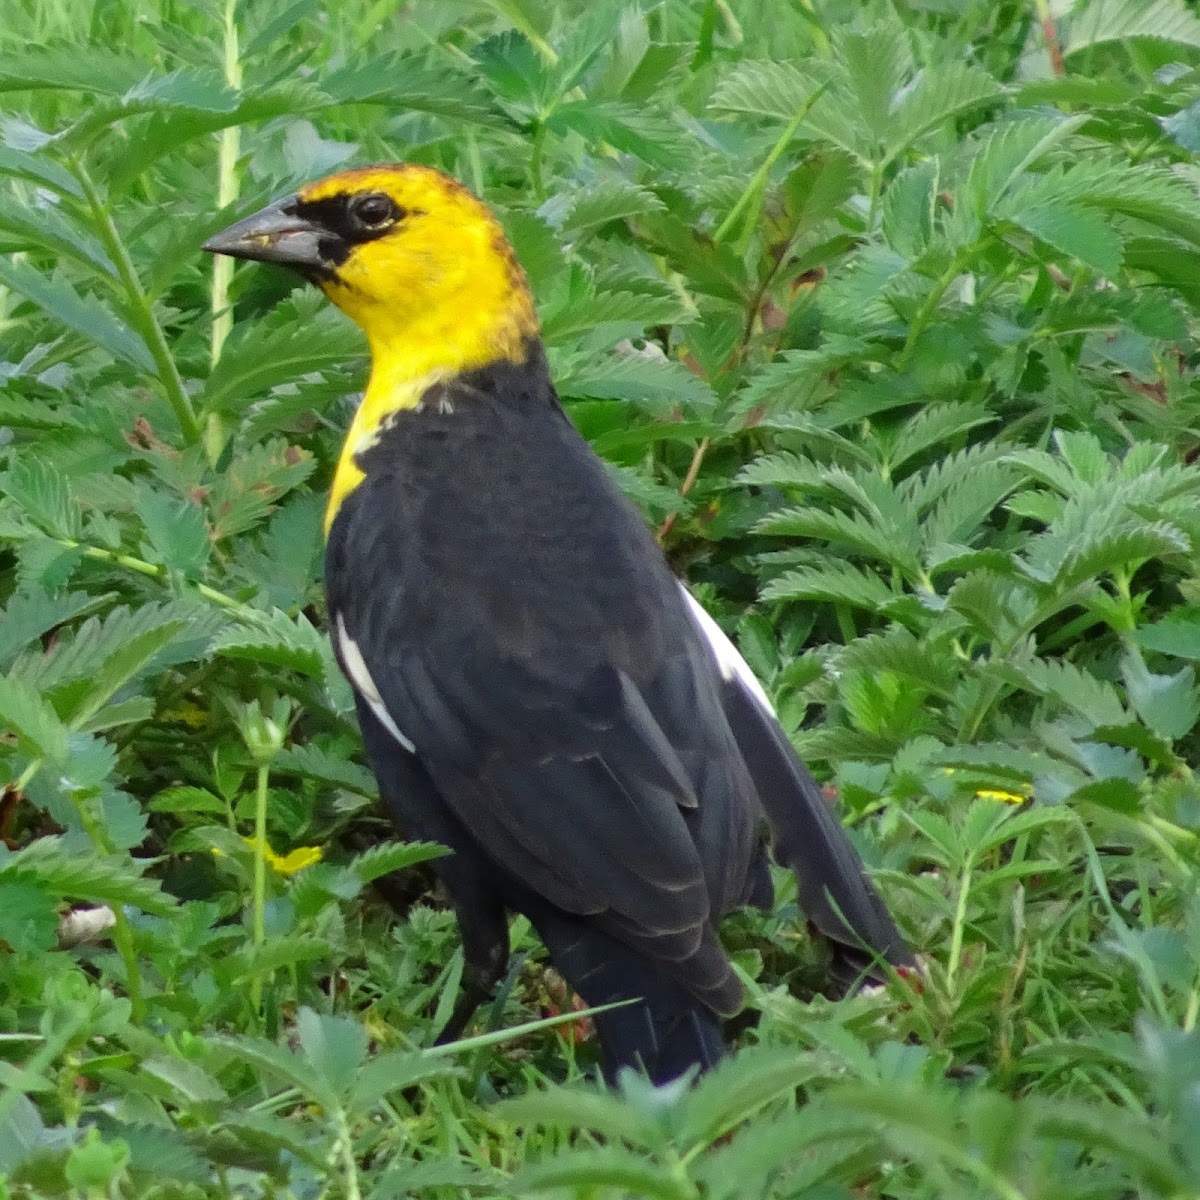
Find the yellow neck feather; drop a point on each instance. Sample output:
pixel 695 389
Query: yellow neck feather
pixel 408 359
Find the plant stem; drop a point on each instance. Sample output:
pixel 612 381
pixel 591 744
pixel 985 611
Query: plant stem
pixel 960 920
pixel 929 307
pixel 754 190
pixel 152 571
pixel 139 309
pixel 227 193
pixel 259 902
pixel 122 935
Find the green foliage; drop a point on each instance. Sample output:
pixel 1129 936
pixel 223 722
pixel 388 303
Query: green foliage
pixel 886 314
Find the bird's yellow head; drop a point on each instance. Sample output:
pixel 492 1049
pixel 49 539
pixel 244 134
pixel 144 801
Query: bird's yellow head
pixel 419 263
pixel 411 255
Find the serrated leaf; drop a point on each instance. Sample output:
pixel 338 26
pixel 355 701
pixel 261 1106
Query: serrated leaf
pixel 316 763
pixel 900 652
pixel 941 91
pixel 659 385
pixel 113 880
pixel 1075 232
pixel 44 496
pixel 189 1079
pixel 1169 704
pixel 406 83
pixel 764 88
pixel 586 1170
pixel 254 483
pixel 25 713
pixel 86 316
pixel 933 424
pixel 177 534
pixel 1119 548
pixel 69 67
pixel 126 660
pixel 276 639
pixel 296 339
pixel 833 583
pixel 1120 20
pixel 640 130
pixel 51 229
pixel 28 616
pixel 393 856
pixel 1177 634
pixel 1075 688
pixel 84 654
pixel 738 1088
pixel 333 1047
pixel 608 200
pixel 28 915
pixel 844 529
pixel 39 168
pixel 909 204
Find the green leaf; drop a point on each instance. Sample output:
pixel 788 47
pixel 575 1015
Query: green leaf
pixel 909 205
pixel 608 200
pixel 28 915
pixel 127 659
pixel 1105 21
pixel 252 486
pixel 189 1079
pixel 279 640
pixel 176 531
pixel 30 615
pixel 1169 704
pixel 44 496
pixel 764 88
pixel 738 1088
pixel 1120 795
pixel 1075 232
pixel 25 713
pixel 659 385
pixel 940 92
pixel 333 1047
pixel 69 67
pixel 1177 634
pixel 393 856
pixel 635 129
pixel 39 168
pixel 610 1167
pixel 312 761
pixel 301 336
pixel 406 83
pixel 832 584
pixel 114 880
pixel 86 316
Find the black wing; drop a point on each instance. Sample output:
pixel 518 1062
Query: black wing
pixel 834 891
pixel 532 648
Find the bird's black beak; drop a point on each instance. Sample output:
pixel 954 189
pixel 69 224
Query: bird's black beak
pixel 278 234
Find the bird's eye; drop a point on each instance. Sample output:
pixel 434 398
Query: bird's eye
pixel 374 211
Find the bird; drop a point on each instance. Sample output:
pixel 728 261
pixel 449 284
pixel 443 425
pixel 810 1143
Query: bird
pixel 536 689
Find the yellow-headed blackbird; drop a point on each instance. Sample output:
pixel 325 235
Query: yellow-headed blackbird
pixel 536 690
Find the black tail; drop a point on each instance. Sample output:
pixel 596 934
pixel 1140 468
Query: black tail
pixel 835 893
pixel 664 1033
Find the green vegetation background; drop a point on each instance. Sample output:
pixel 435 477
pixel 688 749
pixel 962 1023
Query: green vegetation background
pixel 885 313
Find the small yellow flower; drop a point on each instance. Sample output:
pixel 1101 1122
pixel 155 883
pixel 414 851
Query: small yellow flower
pixel 188 713
pixel 997 794
pixel 293 861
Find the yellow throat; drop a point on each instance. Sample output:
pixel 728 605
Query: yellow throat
pixel 439 296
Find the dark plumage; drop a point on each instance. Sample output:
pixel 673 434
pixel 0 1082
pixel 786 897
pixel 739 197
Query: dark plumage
pixel 576 744
pixel 535 688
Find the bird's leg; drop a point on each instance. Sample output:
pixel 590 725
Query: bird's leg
pixel 485 955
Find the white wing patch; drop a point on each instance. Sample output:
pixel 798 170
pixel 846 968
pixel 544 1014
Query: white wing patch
pixel 730 663
pixel 356 668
